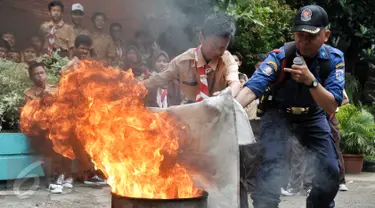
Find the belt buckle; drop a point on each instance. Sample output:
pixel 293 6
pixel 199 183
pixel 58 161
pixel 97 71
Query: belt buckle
pixel 296 110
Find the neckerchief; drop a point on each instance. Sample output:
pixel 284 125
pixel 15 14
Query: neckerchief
pixel 203 91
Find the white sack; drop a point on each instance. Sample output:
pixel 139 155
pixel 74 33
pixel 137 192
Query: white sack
pixel 218 124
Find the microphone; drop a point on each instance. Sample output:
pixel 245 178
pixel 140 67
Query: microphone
pixel 298 60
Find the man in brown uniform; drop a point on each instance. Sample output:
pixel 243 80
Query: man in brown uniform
pixel 220 69
pixel 205 71
pixel 59 36
pixel 77 17
pixel 103 45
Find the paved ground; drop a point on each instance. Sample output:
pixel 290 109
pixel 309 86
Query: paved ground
pixel 360 195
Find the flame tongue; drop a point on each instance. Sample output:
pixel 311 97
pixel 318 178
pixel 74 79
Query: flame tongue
pixel 101 109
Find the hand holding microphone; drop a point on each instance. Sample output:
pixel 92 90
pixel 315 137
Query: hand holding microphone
pixel 300 72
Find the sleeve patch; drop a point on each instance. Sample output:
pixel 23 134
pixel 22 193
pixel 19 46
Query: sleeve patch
pixel 340 75
pixel 273 64
pixel 268 70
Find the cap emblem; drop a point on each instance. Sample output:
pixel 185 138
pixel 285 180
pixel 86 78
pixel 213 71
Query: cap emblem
pixel 306 15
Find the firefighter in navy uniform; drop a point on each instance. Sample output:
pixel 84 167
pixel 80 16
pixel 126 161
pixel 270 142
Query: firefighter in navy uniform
pixel 297 105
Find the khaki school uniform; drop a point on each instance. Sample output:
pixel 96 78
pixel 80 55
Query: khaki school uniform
pixel 37 92
pixel 64 35
pixel 103 46
pixel 182 68
pixel 80 31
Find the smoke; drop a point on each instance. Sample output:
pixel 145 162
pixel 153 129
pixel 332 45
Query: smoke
pixel 175 23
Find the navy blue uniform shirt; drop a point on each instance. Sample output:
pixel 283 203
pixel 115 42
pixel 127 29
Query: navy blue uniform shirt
pixel 294 94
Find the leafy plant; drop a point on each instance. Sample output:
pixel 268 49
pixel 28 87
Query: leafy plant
pixel 357 129
pixel 370 157
pixel 352 86
pixel 54 63
pixel 370 109
pixel 14 80
pixel 262 25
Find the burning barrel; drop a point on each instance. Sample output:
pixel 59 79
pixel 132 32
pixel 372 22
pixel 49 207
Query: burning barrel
pixel 199 201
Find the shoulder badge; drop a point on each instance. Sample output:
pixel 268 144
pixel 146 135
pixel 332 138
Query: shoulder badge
pixel 268 70
pixel 340 75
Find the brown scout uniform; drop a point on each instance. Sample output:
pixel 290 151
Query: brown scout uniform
pixel 37 92
pixel 80 31
pixel 64 36
pixel 182 68
pixel 103 46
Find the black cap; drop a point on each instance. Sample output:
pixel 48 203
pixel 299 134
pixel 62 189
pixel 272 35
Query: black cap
pixel 310 19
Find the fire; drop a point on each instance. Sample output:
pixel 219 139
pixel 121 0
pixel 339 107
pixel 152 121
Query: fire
pixel 102 109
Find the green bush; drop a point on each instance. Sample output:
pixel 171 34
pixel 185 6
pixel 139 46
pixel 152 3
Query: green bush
pixel 262 25
pixel 14 79
pixel 357 129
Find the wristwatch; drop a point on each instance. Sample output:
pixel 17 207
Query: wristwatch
pixel 314 84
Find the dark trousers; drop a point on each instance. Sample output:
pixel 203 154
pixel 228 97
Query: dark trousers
pixel 336 136
pixel 249 162
pixel 301 158
pixel 314 133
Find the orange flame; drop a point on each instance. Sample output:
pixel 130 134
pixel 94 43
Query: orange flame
pixel 103 109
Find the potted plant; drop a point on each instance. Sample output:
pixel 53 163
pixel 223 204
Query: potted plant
pixel 357 129
pixel 14 147
pixel 369 164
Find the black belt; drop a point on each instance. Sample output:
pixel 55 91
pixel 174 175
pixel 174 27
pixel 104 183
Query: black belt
pixel 298 110
pixel 295 110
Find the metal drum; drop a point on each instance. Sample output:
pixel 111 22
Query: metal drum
pixel 129 202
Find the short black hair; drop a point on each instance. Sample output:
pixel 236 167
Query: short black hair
pixel 96 14
pixel 30 46
pixel 239 55
pixel 33 65
pixel 261 57
pixel 115 24
pixel 14 51
pixel 83 40
pixel 4 44
pixel 219 24
pixel 55 3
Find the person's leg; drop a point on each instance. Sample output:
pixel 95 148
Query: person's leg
pixel 243 189
pixel 273 140
pixel 309 172
pixel 336 137
pixel 298 166
pixel 253 157
pixel 316 134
